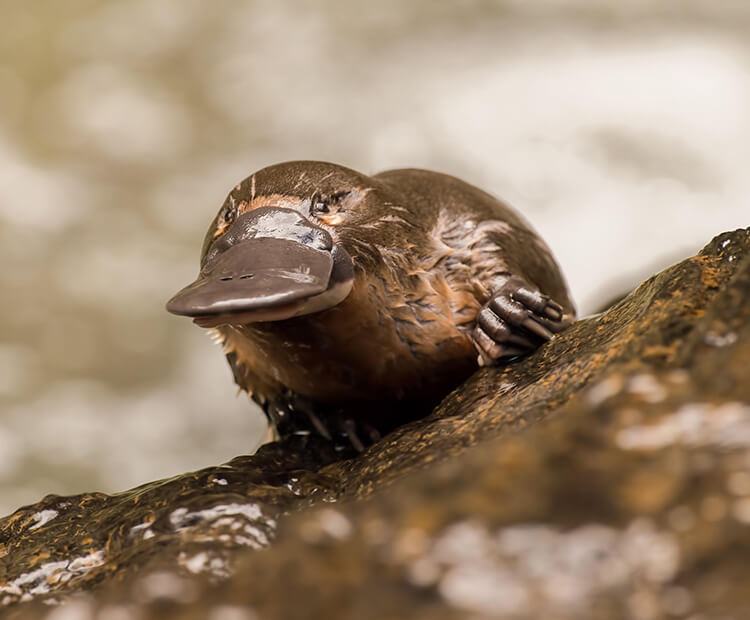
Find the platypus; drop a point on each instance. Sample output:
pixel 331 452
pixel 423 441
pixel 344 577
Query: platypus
pixel 348 304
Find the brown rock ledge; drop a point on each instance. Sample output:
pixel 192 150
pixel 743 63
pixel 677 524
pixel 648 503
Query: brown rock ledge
pixel 631 501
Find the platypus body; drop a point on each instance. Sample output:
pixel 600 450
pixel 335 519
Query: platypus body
pixel 348 304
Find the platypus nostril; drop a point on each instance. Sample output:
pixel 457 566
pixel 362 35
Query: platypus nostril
pixel 269 222
pixel 285 276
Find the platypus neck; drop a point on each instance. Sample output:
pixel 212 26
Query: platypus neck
pixel 391 338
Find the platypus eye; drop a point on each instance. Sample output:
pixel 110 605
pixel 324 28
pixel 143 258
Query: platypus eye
pixel 327 207
pixel 318 206
pixel 227 215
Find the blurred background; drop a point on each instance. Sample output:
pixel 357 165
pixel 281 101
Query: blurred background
pixel 620 129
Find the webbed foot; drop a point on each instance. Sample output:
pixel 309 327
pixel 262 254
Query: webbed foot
pixel 515 321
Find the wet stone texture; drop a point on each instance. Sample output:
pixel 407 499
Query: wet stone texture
pixel 605 476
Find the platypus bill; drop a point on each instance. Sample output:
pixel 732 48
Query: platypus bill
pixel 348 304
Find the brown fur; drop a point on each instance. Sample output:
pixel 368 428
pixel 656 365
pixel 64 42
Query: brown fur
pixel 427 249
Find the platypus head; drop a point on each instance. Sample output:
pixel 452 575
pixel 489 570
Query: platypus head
pixel 281 245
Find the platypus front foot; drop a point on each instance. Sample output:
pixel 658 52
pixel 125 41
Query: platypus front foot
pixel 515 321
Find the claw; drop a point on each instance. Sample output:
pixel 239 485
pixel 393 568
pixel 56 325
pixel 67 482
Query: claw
pixel 486 346
pixel 536 328
pixel 318 424
pixel 350 431
pixel 532 299
pixel 508 309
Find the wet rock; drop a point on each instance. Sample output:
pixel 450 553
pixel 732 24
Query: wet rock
pixel 605 476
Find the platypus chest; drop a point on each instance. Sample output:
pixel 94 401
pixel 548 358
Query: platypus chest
pixel 352 352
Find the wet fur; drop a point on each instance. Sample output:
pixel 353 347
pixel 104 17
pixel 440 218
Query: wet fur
pixel 428 249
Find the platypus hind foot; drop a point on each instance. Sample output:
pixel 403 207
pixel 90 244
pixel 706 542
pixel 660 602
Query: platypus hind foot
pixel 292 414
pixel 515 321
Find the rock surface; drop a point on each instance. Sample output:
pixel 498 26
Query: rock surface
pixel 630 500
